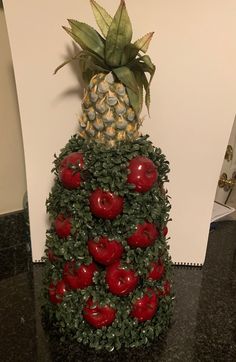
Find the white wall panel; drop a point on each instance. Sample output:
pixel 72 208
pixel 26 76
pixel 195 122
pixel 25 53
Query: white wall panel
pixel 193 100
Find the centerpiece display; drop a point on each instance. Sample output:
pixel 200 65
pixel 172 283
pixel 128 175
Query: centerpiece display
pixel 107 267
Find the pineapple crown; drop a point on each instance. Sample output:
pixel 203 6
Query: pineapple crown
pixel 114 52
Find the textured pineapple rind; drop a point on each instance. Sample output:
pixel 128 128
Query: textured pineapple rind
pixel 107 116
pixel 107 169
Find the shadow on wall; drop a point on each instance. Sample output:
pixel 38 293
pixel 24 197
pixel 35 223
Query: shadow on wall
pixel 77 89
pixel 1 5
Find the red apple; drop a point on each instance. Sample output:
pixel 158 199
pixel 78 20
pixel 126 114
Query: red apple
pixel 98 316
pixel 121 281
pixel 57 291
pixel 69 171
pixel 78 277
pixel 142 173
pixel 165 231
pixel 106 204
pixel 144 236
pixel 165 289
pixel 62 226
pixel 145 308
pixel 105 251
pixel 157 270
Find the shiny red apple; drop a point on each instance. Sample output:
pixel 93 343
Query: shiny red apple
pixel 78 277
pixel 57 291
pixel 121 280
pixel 144 236
pixel 62 226
pixel 69 170
pixel 105 251
pixel 145 308
pixel 157 270
pixel 106 204
pixel 142 173
pixel 98 316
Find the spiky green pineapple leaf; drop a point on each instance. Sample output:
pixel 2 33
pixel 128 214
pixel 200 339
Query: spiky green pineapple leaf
pixel 139 79
pixel 132 50
pixel 141 76
pixel 142 44
pixel 116 53
pixel 145 64
pixel 86 36
pixel 150 68
pixel 67 61
pixel 129 53
pixel 126 76
pixel 90 64
pixel 96 60
pixel 135 101
pixel 118 37
pixel 141 66
pixel 148 99
pixel 74 37
pixel 102 17
pixel 147 92
pixel 147 60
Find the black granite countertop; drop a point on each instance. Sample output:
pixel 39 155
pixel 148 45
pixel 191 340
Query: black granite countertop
pixel 203 326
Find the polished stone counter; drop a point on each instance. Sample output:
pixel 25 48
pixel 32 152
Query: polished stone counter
pixel 203 326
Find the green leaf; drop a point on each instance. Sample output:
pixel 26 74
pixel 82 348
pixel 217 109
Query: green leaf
pixel 148 99
pixel 139 67
pixel 132 50
pixel 76 56
pixel 102 17
pixel 76 39
pixel 139 80
pixel 89 63
pixel 118 37
pixel 143 43
pixel 93 58
pixel 86 37
pixel 126 76
pixel 129 54
pixel 143 80
pixel 134 101
pixel 145 65
pixel 148 66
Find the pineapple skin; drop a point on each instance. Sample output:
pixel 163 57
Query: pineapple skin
pixel 108 117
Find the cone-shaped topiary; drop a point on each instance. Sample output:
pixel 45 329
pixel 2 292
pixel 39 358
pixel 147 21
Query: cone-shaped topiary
pixel 107 270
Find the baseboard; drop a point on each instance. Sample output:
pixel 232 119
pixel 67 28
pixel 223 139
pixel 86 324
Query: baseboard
pixel 11 213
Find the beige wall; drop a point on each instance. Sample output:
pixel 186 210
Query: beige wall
pixel 193 100
pixel 12 169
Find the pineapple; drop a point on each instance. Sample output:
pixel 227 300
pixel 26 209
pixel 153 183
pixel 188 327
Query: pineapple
pixel 108 116
pixel 107 267
pixel 115 73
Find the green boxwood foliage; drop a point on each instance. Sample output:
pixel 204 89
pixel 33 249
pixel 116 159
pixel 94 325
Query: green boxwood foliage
pixel 108 169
